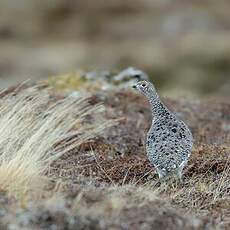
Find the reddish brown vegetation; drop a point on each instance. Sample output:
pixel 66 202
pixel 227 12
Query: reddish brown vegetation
pixel 108 182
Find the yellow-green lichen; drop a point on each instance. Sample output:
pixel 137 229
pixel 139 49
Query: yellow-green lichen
pixel 67 82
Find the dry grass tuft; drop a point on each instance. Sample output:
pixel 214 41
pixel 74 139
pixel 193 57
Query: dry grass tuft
pixel 31 130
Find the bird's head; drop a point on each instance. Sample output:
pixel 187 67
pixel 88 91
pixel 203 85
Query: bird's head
pixel 146 88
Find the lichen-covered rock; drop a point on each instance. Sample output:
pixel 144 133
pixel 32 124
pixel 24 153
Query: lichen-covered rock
pixel 97 80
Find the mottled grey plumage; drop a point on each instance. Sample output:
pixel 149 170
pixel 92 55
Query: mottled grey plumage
pixel 169 141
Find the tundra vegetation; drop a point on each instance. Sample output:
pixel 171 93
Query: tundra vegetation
pixel 74 158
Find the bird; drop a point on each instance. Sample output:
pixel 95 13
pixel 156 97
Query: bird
pixel 169 141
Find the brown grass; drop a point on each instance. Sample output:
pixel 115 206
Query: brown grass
pixel 31 130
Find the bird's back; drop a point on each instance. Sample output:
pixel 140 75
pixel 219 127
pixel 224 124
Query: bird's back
pixel 169 143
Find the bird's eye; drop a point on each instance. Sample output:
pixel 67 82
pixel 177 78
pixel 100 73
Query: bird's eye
pixel 143 84
pixel 137 76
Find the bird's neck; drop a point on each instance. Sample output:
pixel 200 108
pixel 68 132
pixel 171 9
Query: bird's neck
pixel 157 107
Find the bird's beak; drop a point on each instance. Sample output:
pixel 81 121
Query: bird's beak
pixel 134 86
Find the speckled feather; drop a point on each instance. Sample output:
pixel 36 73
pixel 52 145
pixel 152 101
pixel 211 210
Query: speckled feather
pixel 169 141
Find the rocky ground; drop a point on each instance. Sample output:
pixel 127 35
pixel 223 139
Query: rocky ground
pixel 108 183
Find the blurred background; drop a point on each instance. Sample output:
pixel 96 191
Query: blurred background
pixel 183 44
